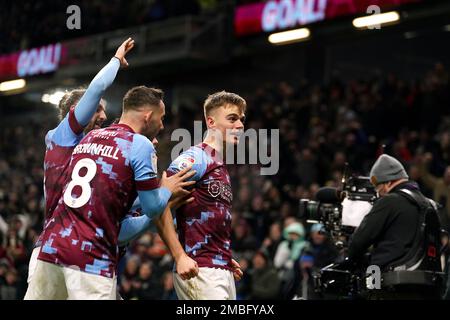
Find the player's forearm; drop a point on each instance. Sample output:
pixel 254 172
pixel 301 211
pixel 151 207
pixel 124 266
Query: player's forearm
pixel 166 230
pixel 154 201
pixel 88 103
pixel 132 227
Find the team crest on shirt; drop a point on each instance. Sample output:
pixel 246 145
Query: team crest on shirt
pixel 186 162
pixel 214 188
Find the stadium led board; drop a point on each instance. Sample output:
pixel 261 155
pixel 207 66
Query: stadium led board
pixel 279 15
pixel 31 62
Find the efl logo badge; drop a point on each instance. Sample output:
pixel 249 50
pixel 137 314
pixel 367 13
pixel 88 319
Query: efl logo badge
pixel 186 162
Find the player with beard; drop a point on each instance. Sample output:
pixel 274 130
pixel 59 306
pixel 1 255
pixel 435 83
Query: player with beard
pixel 108 169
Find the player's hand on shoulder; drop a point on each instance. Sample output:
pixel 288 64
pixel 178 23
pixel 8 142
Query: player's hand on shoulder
pixel 187 268
pixel 122 51
pixel 177 183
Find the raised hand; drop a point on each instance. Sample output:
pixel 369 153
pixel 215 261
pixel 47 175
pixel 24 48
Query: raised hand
pixel 122 51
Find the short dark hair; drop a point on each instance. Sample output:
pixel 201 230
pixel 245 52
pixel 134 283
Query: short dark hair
pixel 140 96
pixel 69 100
pixel 221 99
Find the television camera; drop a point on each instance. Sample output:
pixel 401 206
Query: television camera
pixel 340 211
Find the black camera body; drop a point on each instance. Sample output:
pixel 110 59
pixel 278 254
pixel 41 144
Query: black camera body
pixel 340 280
pixel 360 188
pixel 328 208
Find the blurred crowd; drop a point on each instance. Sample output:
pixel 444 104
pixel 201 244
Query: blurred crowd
pixel 321 128
pixel 21 202
pixel 27 24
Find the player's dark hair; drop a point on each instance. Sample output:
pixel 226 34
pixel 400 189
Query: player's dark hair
pixel 69 100
pixel 221 99
pixel 140 96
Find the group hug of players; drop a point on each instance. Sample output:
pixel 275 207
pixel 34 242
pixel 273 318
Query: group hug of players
pixel 95 177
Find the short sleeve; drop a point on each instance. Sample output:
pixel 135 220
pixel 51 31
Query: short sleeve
pixel 144 163
pixel 194 157
pixel 67 133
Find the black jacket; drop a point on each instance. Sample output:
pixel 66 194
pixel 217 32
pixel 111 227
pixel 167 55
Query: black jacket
pixel 265 284
pixel 390 226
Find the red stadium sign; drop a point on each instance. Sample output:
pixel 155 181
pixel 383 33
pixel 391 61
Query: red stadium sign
pixel 42 60
pixel 31 62
pixel 284 14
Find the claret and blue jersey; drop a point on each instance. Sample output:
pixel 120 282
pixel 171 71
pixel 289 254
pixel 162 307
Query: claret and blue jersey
pixel 67 186
pixel 204 226
pixel 61 140
pixel 107 170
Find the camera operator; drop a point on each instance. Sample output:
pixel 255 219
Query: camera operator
pixel 392 226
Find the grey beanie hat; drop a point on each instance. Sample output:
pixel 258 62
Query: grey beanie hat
pixel 386 169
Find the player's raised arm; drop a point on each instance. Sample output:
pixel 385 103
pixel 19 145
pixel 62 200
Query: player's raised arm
pixel 88 103
pixel 68 132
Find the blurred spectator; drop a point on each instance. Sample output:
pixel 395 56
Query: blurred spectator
pixel 318 253
pixel 15 249
pixel 270 243
pixel 304 289
pixel 265 282
pixel 445 263
pixel 306 167
pixel 146 285
pixel 158 250
pixel 8 289
pixel 290 249
pixel 439 186
pixel 320 248
pixel 127 291
pixel 242 240
pixel 168 288
pixel 259 218
pixel 415 174
pixel 243 285
pixel 288 252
